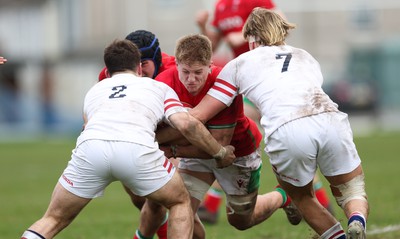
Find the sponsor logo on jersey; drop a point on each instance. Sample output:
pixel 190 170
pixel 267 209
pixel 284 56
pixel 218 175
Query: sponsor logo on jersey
pixel 230 23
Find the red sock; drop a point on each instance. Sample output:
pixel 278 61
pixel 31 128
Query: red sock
pixel 213 200
pixel 163 231
pixel 322 197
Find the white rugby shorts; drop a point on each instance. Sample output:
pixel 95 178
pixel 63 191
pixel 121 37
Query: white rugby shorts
pixel 95 164
pixel 324 140
pixel 241 178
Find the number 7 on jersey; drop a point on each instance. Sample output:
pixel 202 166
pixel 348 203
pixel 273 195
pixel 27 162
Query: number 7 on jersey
pixel 288 56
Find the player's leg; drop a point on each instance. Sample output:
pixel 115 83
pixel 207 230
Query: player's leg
pixel 63 208
pixel 180 221
pixel 152 215
pixel 155 219
pixel 246 211
pixel 341 165
pixel 349 191
pixel 209 208
pixel 138 201
pixel 312 211
pixel 148 173
pixel 322 195
pixel 197 183
pixel 295 150
pixel 84 176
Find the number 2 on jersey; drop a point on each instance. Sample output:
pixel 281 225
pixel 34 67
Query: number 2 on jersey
pixel 118 90
pixel 288 56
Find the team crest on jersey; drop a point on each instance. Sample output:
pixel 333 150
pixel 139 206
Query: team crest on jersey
pixel 241 182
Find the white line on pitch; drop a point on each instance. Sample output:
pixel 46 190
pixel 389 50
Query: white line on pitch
pixel 390 228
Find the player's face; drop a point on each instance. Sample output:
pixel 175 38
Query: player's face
pixel 148 68
pixel 193 76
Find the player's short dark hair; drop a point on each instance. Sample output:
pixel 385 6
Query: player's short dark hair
pixel 148 45
pixel 121 55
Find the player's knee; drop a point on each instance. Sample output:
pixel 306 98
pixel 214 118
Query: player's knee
pixel 242 204
pixel 353 189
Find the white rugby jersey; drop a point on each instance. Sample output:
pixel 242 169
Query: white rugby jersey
pixel 285 83
pixel 128 108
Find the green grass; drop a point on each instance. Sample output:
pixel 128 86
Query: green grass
pixel 29 171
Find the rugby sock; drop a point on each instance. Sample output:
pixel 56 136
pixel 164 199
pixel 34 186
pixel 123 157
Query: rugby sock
pixel 139 235
pixel 30 234
pixel 163 229
pixel 359 217
pixel 213 199
pixel 286 198
pixel 321 195
pixel 335 232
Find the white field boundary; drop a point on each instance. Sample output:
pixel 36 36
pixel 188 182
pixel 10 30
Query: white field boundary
pixel 377 231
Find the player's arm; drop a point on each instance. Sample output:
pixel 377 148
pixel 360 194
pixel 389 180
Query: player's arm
pixel 235 39
pixel 223 136
pixel 169 135
pixel 197 134
pixel 207 108
pixel 214 35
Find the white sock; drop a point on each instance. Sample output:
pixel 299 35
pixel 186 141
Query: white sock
pixel 29 234
pixel 335 232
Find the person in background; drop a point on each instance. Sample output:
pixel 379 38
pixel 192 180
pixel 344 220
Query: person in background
pixel 119 144
pixel 303 128
pixel 226 26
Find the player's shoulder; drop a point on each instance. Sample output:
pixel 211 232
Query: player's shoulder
pixel 167 75
pixel 214 71
pixel 168 61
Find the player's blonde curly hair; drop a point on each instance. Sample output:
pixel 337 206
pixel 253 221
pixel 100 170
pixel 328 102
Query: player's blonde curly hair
pixel 268 27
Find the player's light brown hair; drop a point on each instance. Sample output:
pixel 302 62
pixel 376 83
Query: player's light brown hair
pixel 121 55
pixel 268 27
pixel 193 48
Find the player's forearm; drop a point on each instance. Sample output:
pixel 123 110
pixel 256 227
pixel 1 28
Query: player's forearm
pixel 200 137
pixel 207 108
pixel 168 135
pixel 190 151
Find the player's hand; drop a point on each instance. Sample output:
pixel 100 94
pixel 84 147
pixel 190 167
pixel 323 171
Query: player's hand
pixel 202 18
pixel 228 159
pixel 2 60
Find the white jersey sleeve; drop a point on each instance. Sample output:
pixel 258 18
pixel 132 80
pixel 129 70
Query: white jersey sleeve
pixel 225 88
pixel 172 104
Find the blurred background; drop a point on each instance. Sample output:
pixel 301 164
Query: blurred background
pixel 55 49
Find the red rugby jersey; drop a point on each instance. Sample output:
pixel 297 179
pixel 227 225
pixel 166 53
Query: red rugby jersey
pixel 246 137
pixel 230 16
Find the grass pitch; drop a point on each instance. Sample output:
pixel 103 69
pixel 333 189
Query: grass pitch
pixel 29 171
